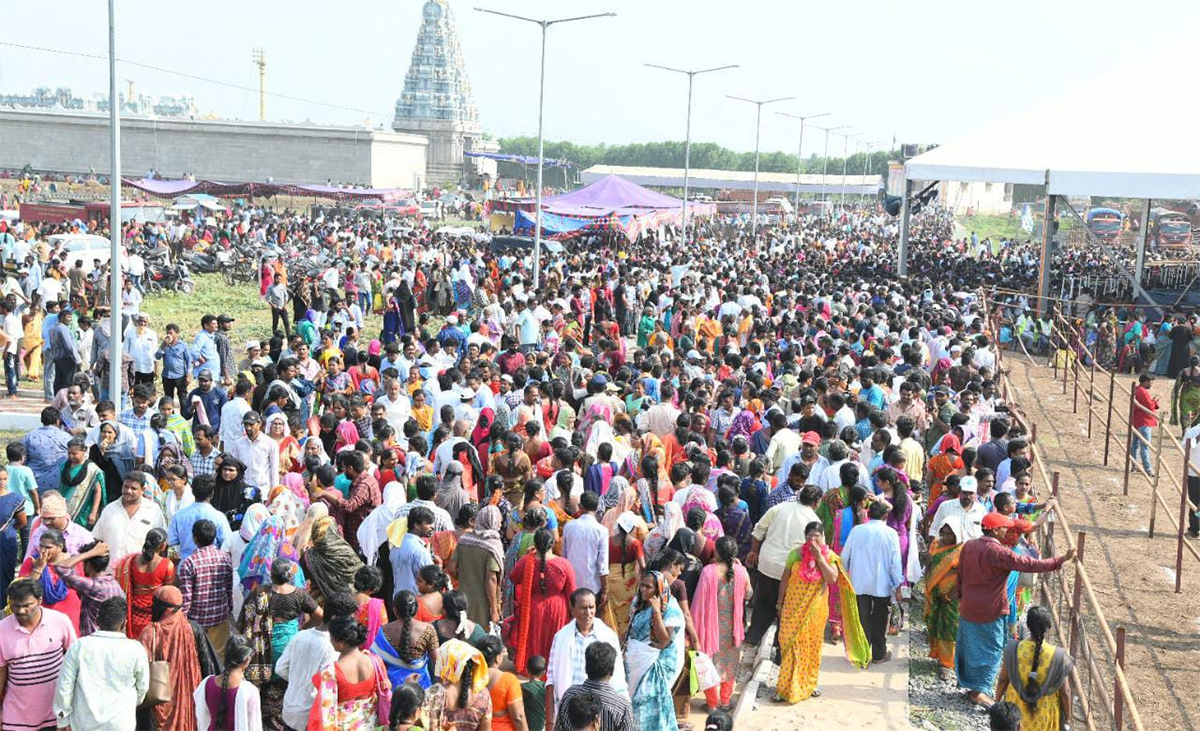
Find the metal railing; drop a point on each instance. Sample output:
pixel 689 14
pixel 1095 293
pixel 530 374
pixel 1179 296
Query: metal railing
pixel 1103 697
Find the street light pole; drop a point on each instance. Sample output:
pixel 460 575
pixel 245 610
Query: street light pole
pixel 687 145
pixel 114 215
pixel 845 160
pixel 757 130
pixel 537 224
pixel 800 148
pixel 825 156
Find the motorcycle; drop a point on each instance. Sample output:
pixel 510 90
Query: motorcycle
pixel 169 278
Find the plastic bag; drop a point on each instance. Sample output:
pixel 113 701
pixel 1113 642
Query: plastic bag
pixel 704 672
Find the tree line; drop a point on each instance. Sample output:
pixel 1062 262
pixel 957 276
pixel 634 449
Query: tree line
pixel 705 155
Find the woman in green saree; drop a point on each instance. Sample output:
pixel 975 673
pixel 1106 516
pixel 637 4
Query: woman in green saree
pixel 81 483
pixel 941 598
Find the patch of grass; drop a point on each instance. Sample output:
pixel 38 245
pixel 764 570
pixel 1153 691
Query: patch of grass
pixel 994 227
pixel 212 296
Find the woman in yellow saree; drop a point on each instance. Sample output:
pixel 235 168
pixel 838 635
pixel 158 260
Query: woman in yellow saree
pixel 803 612
pixel 941 598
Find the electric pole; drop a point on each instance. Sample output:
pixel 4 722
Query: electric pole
pixel 260 60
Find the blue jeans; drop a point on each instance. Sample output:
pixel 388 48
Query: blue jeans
pixel 10 373
pixel 364 302
pixel 47 375
pixel 1139 446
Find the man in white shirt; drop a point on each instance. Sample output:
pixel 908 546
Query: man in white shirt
pixel 966 513
pixel 660 418
pixel 308 652
pixel 233 411
pixel 777 532
pixel 565 666
pixel 784 442
pixel 258 452
pixel 872 559
pixel 104 676
pixel 12 337
pixel 124 523
pixel 396 404
pixel 585 546
pixel 141 343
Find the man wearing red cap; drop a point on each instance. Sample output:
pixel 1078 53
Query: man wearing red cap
pixel 983 569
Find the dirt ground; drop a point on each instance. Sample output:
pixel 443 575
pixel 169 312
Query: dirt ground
pixel 875 699
pixel 1133 575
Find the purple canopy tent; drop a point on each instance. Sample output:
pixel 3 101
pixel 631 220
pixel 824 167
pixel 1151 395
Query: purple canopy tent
pixel 175 188
pixel 611 203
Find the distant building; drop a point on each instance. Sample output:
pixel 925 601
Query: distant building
pixel 437 101
pixel 137 105
pixel 959 196
pixel 78 142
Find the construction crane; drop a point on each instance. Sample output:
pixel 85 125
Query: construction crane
pixel 260 60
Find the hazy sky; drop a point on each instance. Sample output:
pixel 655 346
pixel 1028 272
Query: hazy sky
pixel 922 72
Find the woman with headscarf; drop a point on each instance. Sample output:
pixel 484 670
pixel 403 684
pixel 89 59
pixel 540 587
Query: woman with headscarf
pixel 654 653
pixel 697 549
pixel 330 561
pixel 941 597
pixel 481 440
pixel 622 498
pixel 477 563
pixel 289 501
pixel 947 462
pixel 543 585
pixel 268 543
pixel 626 561
pixel 112 456
pixel 461 700
pixel 372 532
pixel 230 492
pixel 170 637
pixel 269 620
pixel 40 566
pixel 170 449
pixel 813 577
pixel 302 539
pixel 407 305
pixel 347 436
pixel 290 459
pixel 664 532
pixel 450 495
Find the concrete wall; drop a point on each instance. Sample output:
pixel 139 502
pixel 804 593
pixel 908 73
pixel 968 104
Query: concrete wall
pixel 213 149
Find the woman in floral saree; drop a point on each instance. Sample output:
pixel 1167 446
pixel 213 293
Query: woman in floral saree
pixel 804 602
pixel 654 653
pixel 941 598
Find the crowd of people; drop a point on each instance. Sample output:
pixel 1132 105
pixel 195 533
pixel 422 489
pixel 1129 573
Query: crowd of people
pixel 439 497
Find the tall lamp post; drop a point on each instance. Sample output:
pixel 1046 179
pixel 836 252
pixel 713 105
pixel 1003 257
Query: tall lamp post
pixel 757 129
pixel 825 156
pixel 114 214
pixel 800 148
pixel 687 145
pixel 845 160
pixel 537 224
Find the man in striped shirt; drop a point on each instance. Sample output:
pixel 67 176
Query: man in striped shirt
pixel 616 713
pixel 33 640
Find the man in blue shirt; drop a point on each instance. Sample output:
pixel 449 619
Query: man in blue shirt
pixel 48 323
pixel 413 554
pixel 179 532
pixel 872 559
pixel 64 351
pixel 176 357
pixel 204 349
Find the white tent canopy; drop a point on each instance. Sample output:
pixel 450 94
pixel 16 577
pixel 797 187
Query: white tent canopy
pixel 1127 134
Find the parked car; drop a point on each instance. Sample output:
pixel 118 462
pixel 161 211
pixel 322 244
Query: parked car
pixel 85 247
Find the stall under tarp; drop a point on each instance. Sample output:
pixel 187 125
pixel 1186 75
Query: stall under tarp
pixel 1126 134
pixel 176 188
pixel 609 204
pixel 519 159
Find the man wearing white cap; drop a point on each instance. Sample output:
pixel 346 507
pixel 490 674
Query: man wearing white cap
pixel 966 512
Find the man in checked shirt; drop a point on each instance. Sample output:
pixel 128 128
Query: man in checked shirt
pixel 206 582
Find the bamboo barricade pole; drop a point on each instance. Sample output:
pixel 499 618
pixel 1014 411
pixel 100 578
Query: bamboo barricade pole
pixel 1128 442
pixel 1075 385
pixel 1183 510
pixel 1157 474
pixel 1118 699
pixel 1091 396
pixel 1112 384
pixel 1077 593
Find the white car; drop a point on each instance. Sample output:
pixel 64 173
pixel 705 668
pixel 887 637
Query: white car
pixel 87 248
pixel 431 210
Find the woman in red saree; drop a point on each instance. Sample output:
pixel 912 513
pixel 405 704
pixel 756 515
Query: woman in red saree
pixel 140 575
pixel 541 602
